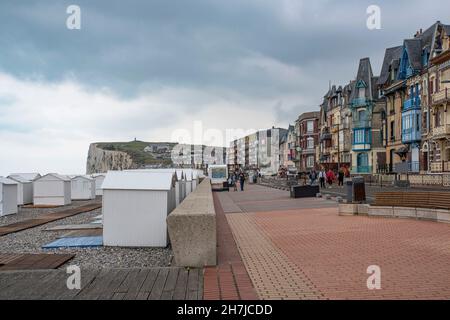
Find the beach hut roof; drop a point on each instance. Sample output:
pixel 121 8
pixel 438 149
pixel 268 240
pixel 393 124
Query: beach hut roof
pixel 139 180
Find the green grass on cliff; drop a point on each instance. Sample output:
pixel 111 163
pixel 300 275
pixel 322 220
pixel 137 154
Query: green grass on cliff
pixel 136 151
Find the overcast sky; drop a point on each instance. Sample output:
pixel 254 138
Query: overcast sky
pixel 145 69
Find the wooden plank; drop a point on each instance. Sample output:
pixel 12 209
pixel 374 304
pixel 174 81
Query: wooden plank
pixel 118 296
pixel 158 287
pixel 68 227
pixel 46 218
pixel 148 284
pixel 136 285
pixel 87 277
pixel 31 261
pixel 181 286
pixel 192 288
pixel 124 286
pixel 99 283
pixel 108 292
pixel 171 281
pixel 200 284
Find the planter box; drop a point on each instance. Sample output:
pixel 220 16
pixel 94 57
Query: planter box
pixel 304 191
pixel 443 215
pixel 381 211
pixel 363 209
pixel 403 212
pixel 426 214
pixel 348 209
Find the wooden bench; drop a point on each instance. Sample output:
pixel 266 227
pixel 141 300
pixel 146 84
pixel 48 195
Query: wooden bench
pixel 429 200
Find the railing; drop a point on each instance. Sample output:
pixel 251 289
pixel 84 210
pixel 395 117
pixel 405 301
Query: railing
pixel 362 124
pixel 384 168
pixel 325 136
pixel 405 167
pixel 308 151
pixel 436 166
pixel 441 131
pixel 362 169
pixel 441 96
pixel 440 166
pixel 413 103
pixel 360 102
pixel 411 135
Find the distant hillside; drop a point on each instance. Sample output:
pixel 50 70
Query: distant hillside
pixel 104 156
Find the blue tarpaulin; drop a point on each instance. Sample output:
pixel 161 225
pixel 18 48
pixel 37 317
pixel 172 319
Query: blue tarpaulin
pixel 77 242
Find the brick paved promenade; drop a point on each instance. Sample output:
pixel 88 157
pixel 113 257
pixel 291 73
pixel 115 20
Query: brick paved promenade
pixel 301 249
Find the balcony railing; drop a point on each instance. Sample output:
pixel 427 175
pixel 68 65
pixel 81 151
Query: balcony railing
pixel 441 96
pixel 325 136
pixel 360 102
pixel 441 131
pixel 413 103
pixel 411 135
pixel 309 151
pixel 362 124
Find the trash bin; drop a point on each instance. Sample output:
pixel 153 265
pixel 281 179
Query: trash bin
pixel 359 189
pixel 349 191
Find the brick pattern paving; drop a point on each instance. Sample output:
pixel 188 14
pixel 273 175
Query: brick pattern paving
pixel 229 280
pixel 274 275
pixel 334 253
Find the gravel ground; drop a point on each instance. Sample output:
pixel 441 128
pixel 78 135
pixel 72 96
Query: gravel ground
pixel 31 240
pixel 30 213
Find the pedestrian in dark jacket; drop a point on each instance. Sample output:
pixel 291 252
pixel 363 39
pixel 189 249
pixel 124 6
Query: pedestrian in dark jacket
pixel 242 180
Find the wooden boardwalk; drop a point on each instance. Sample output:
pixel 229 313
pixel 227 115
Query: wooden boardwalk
pixel 29 261
pixel 46 218
pixel 104 284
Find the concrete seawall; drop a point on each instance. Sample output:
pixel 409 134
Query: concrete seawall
pixel 192 229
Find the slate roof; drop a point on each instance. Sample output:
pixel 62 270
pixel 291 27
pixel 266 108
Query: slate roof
pixel 365 74
pixel 391 59
pixel 414 49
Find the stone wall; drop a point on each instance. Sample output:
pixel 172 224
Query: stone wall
pixel 192 229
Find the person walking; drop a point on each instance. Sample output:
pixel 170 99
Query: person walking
pixel 242 180
pixel 341 175
pixel 322 176
pixel 312 177
pixel 330 177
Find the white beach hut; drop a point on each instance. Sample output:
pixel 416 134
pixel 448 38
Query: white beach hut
pixel 180 192
pixel 135 208
pixel 24 189
pixel 82 188
pixel 99 178
pixel 188 177
pixel 8 196
pixel 31 176
pixel 52 189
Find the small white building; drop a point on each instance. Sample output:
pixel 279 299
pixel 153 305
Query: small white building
pixel 8 196
pixel 188 176
pixel 180 188
pixel 135 207
pixel 82 188
pixel 31 176
pixel 53 190
pixel 24 189
pixel 99 178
